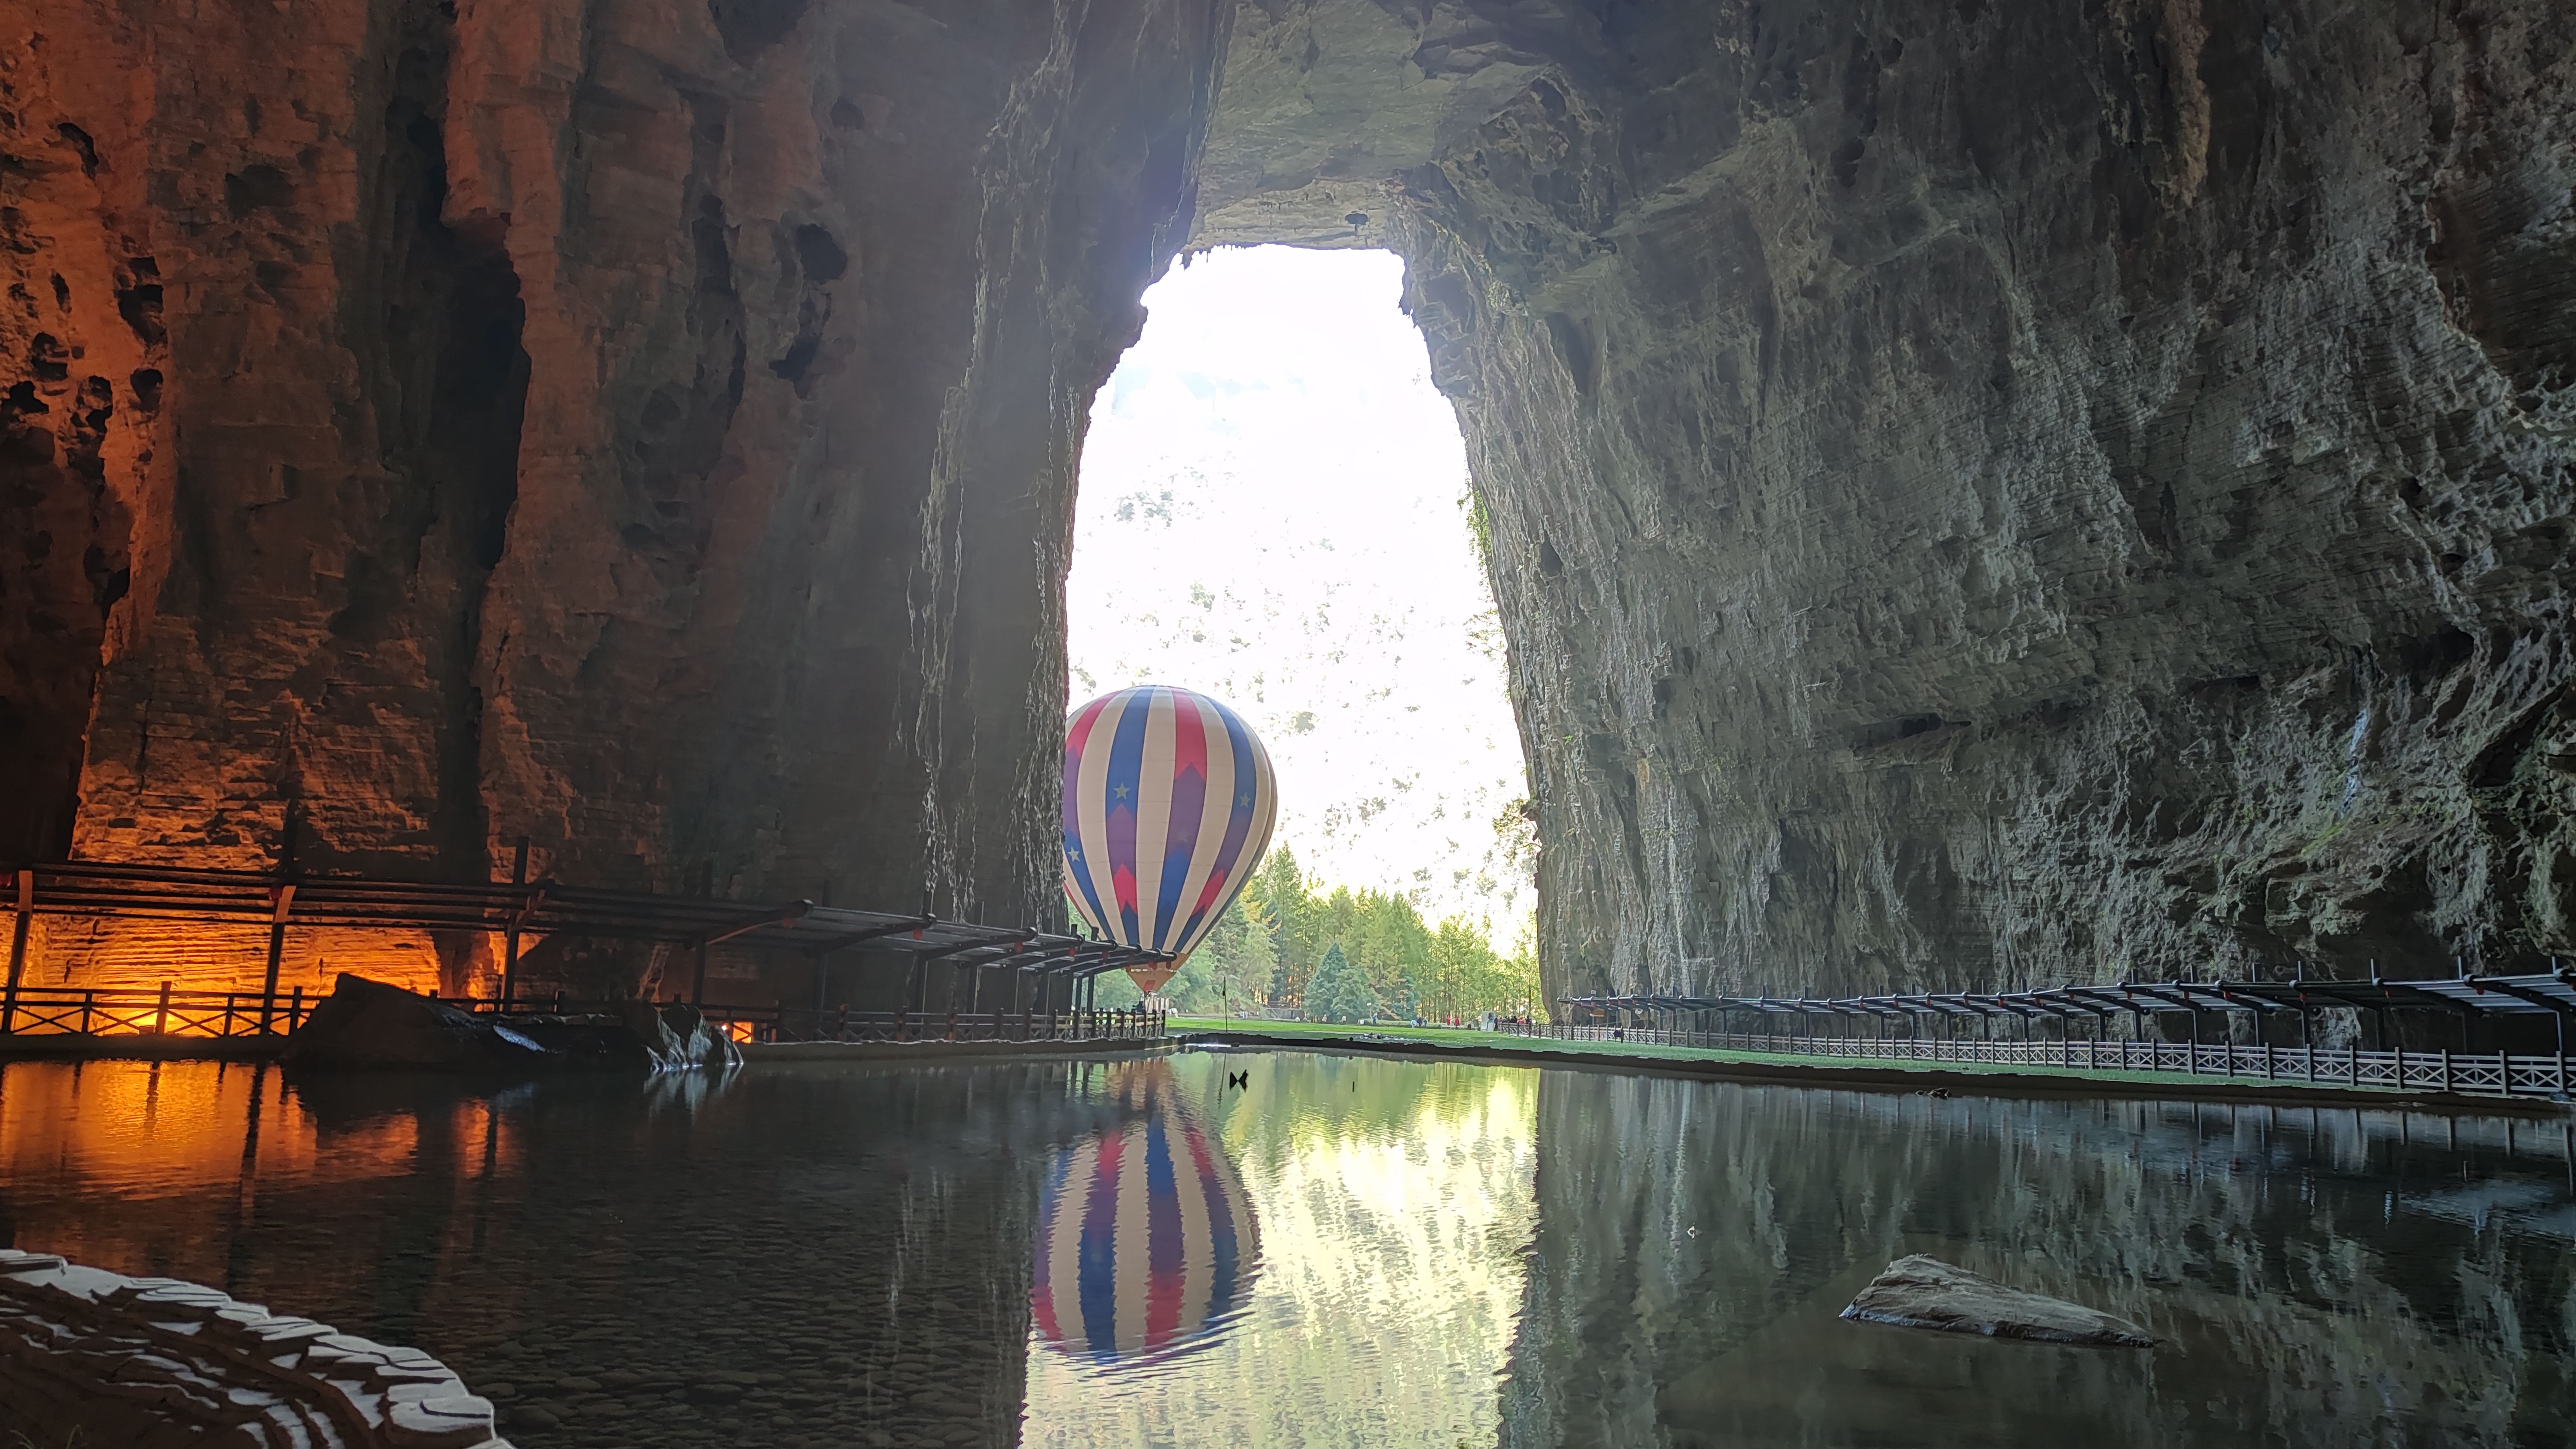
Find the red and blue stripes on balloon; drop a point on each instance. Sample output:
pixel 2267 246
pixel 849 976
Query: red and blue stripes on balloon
pixel 1238 827
pixel 1168 801
pixel 1189 801
pixel 1126 785
pixel 1077 872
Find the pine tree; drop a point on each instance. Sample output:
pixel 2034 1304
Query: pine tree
pixel 1403 1002
pixel 1339 992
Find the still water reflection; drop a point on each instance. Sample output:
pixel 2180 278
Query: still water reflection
pixel 1394 1203
pixel 1332 1251
pixel 1146 1244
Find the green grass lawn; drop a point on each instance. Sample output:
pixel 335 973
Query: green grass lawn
pixel 1501 1041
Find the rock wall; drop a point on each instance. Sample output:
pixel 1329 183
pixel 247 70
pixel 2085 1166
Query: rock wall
pixel 1994 492
pixel 645 426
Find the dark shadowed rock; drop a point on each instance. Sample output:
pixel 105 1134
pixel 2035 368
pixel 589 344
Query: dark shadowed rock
pixel 365 1023
pixel 1922 1292
pixel 636 1034
pixel 679 1036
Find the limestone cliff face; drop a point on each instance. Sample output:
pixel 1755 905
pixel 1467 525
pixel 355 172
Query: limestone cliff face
pixel 2000 491
pixel 1979 492
pixel 646 426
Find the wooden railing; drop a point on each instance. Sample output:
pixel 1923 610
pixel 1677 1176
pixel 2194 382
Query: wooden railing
pixel 169 1012
pixel 2493 1074
pixel 58 1011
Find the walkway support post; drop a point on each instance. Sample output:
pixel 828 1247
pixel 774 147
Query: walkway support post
pixel 281 899
pixel 27 918
pixel 510 938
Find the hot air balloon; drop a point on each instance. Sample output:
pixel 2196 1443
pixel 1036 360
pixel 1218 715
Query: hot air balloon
pixel 1168 801
pixel 1146 1243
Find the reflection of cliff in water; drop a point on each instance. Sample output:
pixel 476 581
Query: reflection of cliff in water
pixel 2325 1278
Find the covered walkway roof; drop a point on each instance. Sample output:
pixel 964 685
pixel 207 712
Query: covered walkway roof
pixel 100 889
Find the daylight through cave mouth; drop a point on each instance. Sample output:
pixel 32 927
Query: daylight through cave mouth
pixel 1274 510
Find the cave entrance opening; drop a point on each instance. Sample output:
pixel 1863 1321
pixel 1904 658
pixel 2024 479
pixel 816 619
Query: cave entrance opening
pixel 1274 510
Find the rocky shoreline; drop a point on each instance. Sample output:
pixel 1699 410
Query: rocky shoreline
pixel 89 1356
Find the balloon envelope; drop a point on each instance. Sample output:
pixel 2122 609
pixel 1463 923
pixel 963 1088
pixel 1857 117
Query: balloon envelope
pixel 1168 801
pixel 1146 1242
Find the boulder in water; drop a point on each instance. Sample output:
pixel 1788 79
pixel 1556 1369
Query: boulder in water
pixel 1924 1292
pixel 365 1023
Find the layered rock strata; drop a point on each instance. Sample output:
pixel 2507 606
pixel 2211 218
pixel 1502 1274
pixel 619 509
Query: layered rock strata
pixel 88 1356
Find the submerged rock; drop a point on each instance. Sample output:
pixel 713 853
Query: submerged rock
pixel 1924 1292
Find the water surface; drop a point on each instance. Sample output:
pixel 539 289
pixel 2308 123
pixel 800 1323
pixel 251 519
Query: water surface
pixel 1331 1250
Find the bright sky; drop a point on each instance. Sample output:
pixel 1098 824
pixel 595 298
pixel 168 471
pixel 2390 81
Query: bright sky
pixel 1273 512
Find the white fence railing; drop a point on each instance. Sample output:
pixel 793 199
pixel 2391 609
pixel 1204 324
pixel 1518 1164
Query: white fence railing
pixel 2492 1074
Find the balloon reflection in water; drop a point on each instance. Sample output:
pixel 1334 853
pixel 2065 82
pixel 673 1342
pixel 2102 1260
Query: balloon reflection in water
pixel 1146 1243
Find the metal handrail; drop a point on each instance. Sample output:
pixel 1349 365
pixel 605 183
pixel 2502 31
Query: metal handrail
pixel 2491 1074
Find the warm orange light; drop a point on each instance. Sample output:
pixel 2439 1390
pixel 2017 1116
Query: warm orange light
pixel 129 1131
pixel 128 956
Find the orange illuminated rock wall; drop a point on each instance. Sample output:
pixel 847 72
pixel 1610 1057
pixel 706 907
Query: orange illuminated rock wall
pixel 140 955
pixel 622 423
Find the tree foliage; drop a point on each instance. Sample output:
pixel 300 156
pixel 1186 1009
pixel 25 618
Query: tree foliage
pixel 1270 947
pixel 1451 973
pixel 1339 990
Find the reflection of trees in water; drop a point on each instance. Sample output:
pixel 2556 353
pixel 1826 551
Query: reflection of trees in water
pixel 1394 1200
pixel 1305 1101
pixel 1695 1241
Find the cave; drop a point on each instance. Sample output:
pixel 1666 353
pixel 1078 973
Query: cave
pixel 1980 494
